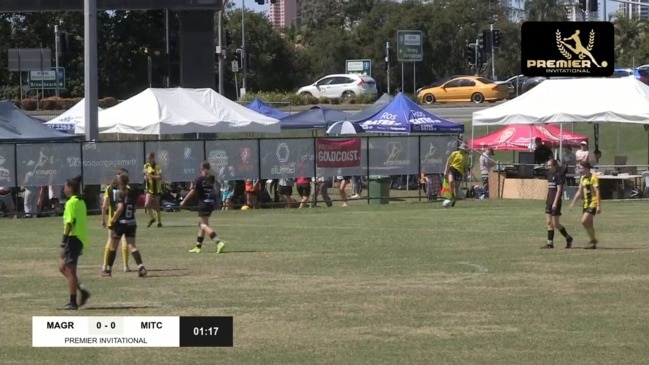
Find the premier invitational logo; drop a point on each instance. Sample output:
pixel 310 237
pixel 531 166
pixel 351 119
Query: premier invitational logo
pixel 568 49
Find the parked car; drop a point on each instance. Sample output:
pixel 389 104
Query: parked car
pixel 463 89
pixel 514 85
pixel 340 86
pixel 531 83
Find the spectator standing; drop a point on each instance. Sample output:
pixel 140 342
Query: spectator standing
pixel 30 196
pixel 582 155
pixel 357 187
pixel 322 188
pixel 486 164
pixel 542 153
pixel 285 190
pixel 304 190
pixel 569 162
pixel 7 202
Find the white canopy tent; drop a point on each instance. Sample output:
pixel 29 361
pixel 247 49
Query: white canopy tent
pixel 68 120
pixel 621 100
pixel 178 111
pixel 590 100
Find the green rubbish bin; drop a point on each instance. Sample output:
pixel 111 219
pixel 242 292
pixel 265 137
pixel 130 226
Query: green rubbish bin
pixel 378 189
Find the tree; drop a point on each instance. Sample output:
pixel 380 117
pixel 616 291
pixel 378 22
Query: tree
pixel 545 10
pixel 631 34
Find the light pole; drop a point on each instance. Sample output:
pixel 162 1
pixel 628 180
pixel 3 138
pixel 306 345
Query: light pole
pixel 57 47
pixel 493 52
pixel 244 52
pixel 167 56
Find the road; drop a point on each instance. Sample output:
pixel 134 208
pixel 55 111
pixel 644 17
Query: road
pixel 458 113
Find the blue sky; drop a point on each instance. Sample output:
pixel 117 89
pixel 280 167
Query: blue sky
pixel 611 6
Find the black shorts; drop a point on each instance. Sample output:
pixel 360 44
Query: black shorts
pixel 120 230
pixel 205 210
pixel 346 179
pixel 285 190
pixel 591 211
pixel 456 174
pixel 555 212
pixel 71 250
pixel 304 189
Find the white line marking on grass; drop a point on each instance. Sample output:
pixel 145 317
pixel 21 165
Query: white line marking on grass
pixel 478 268
pixel 360 228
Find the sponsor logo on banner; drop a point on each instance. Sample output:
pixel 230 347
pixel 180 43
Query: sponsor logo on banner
pixel 190 162
pixel 338 153
pixel 386 119
pixel 218 159
pixel 42 171
pixel 505 136
pixel 246 158
pixel 431 156
pixel 394 150
pixel 283 153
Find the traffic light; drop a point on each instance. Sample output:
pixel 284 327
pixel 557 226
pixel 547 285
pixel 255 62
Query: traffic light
pixel 260 2
pixel 228 38
pixel 582 5
pixel 480 43
pixel 273 1
pixel 469 52
pixel 592 6
pixel 486 40
pixel 497 38
pixel 238 58
pixel 480 58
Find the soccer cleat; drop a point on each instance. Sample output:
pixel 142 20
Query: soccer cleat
pixel 195 250
pixel 106 273
pixel 141 272
pixel 85 295
pixel 127 269
pixel 592 245
pixel 547 246
pixel 159 225
pixel 569 242
pixel 150 223
pixel 69 307
pixel 219 246
pixel 453 204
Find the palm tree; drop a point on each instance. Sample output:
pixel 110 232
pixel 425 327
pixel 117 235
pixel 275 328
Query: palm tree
pixel 546 10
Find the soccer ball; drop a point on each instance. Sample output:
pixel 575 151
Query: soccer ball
pixel 447 203
pixel 245 207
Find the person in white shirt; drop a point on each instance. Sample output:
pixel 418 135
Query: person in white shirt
pixel 30 196
pixel 583 155
pixel 486 163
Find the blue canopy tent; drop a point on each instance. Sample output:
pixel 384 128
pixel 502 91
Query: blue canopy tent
pixel 317 117
pixel 265 109
pixel 371 111
pixel 16 126
pixel 403 115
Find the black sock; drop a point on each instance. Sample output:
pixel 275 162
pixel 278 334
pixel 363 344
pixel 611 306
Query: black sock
pixel 212 235
pixel 137 257
pixel 199 241
pixel 550 236
pixel 563 231
pixel 73 298
pixel 111 259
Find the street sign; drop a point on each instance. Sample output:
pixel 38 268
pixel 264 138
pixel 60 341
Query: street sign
pixel 29 59
pixel 410 46
pixel 47 79
pixel 359 67
pixel 235 66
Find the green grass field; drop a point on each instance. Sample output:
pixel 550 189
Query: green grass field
pixel 396 284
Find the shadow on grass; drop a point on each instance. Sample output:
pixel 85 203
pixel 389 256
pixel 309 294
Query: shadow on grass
pixel 119 307
pixel 610 248
pixel 165 273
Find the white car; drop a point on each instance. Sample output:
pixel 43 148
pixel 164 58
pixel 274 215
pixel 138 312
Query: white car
pixel 340 86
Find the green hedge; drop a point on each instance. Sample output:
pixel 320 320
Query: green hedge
pixel 279 98
pixel 56 103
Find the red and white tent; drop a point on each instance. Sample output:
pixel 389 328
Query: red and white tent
pixel 521 137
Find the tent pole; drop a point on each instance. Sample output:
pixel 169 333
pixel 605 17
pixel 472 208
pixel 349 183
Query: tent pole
pixel 561 141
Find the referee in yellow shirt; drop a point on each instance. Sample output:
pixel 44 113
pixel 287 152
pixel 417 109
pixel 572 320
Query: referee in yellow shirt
pixel 153 189
pixel 456 166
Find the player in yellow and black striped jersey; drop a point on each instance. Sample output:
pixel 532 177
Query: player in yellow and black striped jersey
pixel 589 190
pixel 108 210
pixel 153 189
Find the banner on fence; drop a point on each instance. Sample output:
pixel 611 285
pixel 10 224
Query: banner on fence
pixel 434 151
pixel 179 160
pixel 47 164
pixel 102 159
pixel 233 160
pixel 7 166
pixel 285 158
pixel 338 152
pixel 393 156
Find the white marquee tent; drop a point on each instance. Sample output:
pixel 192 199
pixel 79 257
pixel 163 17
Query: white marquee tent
pixel 180 110
pixel 68 120
pixel 620 100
